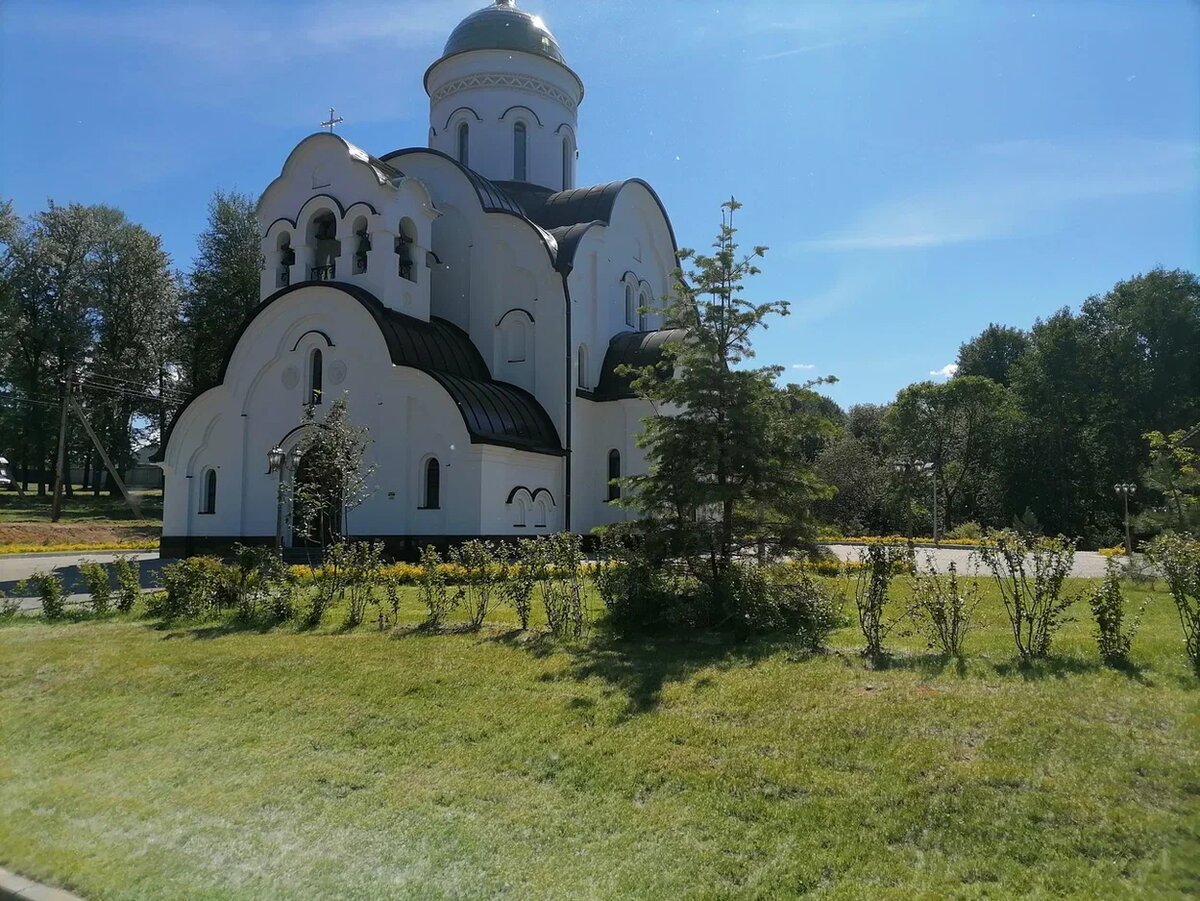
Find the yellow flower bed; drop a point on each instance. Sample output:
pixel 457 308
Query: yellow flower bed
pixel 28 548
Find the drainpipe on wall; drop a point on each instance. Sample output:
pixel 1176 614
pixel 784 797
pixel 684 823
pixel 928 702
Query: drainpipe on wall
pixel 570 395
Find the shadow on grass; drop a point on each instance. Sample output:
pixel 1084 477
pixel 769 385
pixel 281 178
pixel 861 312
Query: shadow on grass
pixel 639 667
pixel 1063 667
pixel 206 631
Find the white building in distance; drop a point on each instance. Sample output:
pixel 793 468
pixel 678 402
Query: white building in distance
pixel 468 300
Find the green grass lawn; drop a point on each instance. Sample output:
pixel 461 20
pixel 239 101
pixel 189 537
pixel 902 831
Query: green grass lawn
pixel 145 760
pixel 82 508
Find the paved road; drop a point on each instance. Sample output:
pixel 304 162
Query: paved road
pixel 15 567
pixel 1088 564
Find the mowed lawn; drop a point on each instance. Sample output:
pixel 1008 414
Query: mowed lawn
pixel 143 760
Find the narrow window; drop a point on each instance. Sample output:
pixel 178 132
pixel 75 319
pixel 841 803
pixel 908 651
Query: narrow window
pixel 539 521
pixel 566 164
pixel 630 311
pixel 433 485
pixel 209 504
pixel 582 375
pixel 464 143
pixel 519 168
pixel 645 302
pixel 316 376
pixel 614 472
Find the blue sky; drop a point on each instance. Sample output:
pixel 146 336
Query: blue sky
pixel 918 168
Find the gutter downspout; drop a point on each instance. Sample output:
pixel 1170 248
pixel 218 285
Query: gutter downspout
pixel 569 404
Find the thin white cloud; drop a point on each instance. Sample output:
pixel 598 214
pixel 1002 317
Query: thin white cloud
pixel 824 25
pixel 808 48
pixel 1016 187
pixel 946 372
pixel 804 365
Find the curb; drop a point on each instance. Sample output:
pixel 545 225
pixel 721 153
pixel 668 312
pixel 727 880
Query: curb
pixel 18 888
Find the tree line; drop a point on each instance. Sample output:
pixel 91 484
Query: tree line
pixel 1037 425
pixel 90 300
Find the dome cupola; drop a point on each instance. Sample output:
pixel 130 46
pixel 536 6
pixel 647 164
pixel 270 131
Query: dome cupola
pixel 502 100
pixel 502 26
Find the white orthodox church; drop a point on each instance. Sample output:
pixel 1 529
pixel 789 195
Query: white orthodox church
pixel 470 302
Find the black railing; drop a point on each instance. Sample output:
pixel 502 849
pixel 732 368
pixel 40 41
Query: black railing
pixel 323 273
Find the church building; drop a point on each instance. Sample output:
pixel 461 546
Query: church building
pixel 470 302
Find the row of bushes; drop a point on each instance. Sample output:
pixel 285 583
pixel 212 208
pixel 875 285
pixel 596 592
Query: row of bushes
pixel 102 594
pixel 1030 573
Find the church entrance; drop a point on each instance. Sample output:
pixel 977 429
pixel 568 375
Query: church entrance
pixel 316 505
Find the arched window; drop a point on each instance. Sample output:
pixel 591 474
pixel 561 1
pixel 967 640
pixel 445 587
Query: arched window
pixel 582 363
pixel 464 144
pixel 643 301
pixel 362 245
pixel 431 495
pixel 520 170
pixel 316 376
pixel 539 514
pixel 630 309
pixel 566 163
pixel 208 503
pixel 406 240
pixel 614 472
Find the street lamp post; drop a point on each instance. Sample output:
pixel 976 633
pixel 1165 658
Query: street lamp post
pixel 1124 490
pixel 278 462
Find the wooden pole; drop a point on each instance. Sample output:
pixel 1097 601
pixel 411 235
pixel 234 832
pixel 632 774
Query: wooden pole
pixel 133 505
pixel 56 502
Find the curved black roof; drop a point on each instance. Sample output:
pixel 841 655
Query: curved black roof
pixel 501 26
pixel 493 412
pixel 636 350
pixel 557 211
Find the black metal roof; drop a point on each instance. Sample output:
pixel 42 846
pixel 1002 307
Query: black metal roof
pixel 501 26
pixel 493 412
pixel 636 350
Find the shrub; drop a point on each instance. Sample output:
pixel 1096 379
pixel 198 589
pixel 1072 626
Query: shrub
pixel 129 583
pixel 879 565
pixel 1179 559
pixel 478 593
pixel 256 573
pixel 9 607
pixel 95 576
pixel 363 565
pixel 328 581
pixel 195 586
pixel 562 589
pixel 637 591
pixel 970 531
pixel 1029 571
pixel 282 602
pixel 432 588
pixel 49 587
pixel 802 607
pixel 521 564
pixel 946 606
pixel 391 590
pixel 1108 608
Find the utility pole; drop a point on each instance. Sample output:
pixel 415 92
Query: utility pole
pixel 56 501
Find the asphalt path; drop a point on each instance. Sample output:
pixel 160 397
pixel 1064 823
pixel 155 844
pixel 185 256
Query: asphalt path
pixel 1087 565
pixel 15 567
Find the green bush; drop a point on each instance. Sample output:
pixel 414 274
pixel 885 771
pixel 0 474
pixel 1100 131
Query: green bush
pixel 968 530
pixel 478 592
pixel 129 583
pixel 432 589
pixel 95 576
pixel 49 587
pixel 520 565
pixel 878 565
pixel 1179 559
pixel 255 574
pixel 562 587
pixel 801 606
pixel 9 607
pixel 1029 571
pixel 945 606
pixel 1108 607
pixel 195 587
pixel 637 591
